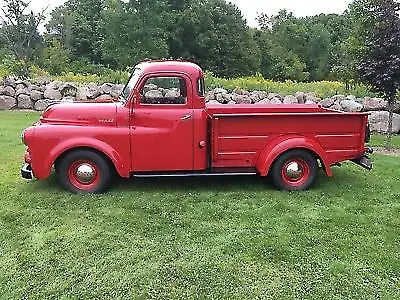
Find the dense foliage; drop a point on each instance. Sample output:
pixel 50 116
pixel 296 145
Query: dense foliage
pixel 105 38
pixel 379 48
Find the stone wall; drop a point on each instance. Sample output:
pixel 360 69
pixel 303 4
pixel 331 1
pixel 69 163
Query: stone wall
pixel 37 95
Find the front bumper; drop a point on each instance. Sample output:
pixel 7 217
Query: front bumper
pixel 26 172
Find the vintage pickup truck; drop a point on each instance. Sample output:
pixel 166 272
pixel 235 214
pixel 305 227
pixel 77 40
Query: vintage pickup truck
pixel 161 126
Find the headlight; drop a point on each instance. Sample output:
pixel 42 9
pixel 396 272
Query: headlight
pixel 27 136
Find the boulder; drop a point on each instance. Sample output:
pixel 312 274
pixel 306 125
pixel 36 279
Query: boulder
pixel 81 93
pixel 223 97
pixel 379 120
pixel 172 94
pixel 339 98
pixel 52 94
pixel 254 97
pixel 301 97
pixel 244 99
pixel 210 96
pixel 241 91
pixel 311 97
pixel 21 85
pixel 9 81
pixel 34 87
pixel 106 88
pixel 149 87
pixel 290 100
pixel 275 95
pixel 93 93
pixel 263 102
pixel 116 90
pixel 68 90
pixel 8 91
pixel 237 98
pixel 351 106
pixel 214 102
pixel 43 80
pixel 54 85
pixel 309 102
pixel 220 91
pixel 328 102
pixel 275 101
pixel 36 95
pixel 7 102
pixel 374 104
pixel 154 94
pixel 42 104
pixel 24 101
pixel 23 90
pixel 162 90
pixel 336 106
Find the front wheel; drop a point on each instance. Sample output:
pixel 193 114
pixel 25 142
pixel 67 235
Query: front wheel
pixel 295 170
pixel 84 171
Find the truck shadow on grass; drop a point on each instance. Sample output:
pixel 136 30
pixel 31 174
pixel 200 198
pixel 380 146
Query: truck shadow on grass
pixel 343 177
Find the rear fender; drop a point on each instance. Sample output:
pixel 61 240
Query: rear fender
pixel 45 169
pixel 284 143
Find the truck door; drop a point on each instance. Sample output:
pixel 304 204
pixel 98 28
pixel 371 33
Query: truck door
pixel 162 124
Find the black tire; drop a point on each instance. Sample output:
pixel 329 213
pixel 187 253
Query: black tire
pixel 67 168
pixel 301 178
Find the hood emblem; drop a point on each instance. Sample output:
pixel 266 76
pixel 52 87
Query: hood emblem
pixel 106 121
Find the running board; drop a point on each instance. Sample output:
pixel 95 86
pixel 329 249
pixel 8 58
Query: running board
pixel 195 174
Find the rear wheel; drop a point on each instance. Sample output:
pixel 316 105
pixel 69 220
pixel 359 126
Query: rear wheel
pixel 295 170
pixel 84 171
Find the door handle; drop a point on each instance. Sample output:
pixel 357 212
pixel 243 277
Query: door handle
pixel 187 117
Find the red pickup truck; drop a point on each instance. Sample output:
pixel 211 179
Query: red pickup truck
pixel 161 126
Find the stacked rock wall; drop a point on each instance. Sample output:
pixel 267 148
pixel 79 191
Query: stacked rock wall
pixel 37 95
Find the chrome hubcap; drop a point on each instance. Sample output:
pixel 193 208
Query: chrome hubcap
pixel 85 173
pixel 294 171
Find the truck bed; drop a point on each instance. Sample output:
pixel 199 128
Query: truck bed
pixel 240 133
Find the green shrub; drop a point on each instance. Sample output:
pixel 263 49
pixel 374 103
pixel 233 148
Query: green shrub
pixel 321 88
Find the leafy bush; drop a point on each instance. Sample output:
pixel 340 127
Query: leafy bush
pixel 109 76
pixel 320 88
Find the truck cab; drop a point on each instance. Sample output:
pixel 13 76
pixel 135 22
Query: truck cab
pixel 161 126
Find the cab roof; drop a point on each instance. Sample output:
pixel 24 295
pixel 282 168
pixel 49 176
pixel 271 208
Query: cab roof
pixel 152 66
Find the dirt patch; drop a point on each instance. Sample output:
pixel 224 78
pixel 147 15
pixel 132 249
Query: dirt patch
pixel 381 150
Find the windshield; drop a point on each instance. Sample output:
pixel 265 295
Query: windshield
pixel 131 83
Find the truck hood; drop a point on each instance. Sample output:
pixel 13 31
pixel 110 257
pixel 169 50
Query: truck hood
pixel 83 114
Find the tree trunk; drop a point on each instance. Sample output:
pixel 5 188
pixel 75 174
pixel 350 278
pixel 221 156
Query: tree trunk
pixel 390 124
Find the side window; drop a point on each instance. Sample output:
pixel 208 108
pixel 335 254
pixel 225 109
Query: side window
pixel 164 90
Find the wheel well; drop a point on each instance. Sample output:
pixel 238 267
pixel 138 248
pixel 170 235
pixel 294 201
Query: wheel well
pixel 316 156
pixel 65 153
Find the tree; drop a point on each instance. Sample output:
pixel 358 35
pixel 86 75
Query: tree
pixel 214 34
pixel 19 30
pixel 379 62
pixel 135 31
pixel 78 25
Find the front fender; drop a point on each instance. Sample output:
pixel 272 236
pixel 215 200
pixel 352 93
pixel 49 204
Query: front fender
pixel 44 170
pixel 284 143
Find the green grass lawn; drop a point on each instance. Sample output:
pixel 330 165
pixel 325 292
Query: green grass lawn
pixel 233 238
pixel 378 140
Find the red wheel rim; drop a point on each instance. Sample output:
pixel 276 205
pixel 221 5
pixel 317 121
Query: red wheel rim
pixel 295 172
pixel 83 174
